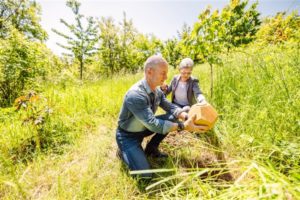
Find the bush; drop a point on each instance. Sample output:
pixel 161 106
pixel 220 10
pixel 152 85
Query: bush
pixel 280 28
pixel 34 128
pixel 22 64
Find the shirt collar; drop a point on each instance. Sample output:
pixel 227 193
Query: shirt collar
pixel 147 87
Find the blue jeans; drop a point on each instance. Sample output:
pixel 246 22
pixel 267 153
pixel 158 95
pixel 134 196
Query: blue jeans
pixel 131 149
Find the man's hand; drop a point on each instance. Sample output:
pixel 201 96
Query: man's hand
pixel 183 116
pixel 190 126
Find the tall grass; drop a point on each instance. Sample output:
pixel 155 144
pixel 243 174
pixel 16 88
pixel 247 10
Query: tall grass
pixel 78 109
pixel 257 96
pixel 253 152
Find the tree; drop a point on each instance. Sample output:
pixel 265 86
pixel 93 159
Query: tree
pixel 109 51
pixel 22 15
pixel 22 62
pixel 240 24
pixel 145 46
pixel 185 32
pixel 122 47
pixel 206 39
pixel 280 28
pixel 186 45
pixel 214 32
pixel 83 40
pixel 128 50
pixel 155 45
pixel 171 52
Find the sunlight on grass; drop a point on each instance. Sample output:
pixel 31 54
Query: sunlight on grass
pixel 252 153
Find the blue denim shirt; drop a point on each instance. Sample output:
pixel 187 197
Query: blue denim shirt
pixel 136 114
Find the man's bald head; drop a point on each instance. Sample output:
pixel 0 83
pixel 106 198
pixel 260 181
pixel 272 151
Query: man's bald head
pixel 154 61
pixel 156 71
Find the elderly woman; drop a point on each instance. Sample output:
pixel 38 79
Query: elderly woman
pixel 185 88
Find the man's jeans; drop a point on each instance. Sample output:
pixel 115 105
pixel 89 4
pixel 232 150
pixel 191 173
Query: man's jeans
pixel 131 149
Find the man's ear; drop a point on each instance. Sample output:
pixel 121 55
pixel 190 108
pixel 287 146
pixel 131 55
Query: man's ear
pixel 149 71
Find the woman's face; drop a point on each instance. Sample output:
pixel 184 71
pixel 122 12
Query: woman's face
pixel 185 73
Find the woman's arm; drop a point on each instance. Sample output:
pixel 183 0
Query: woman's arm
pixel 197 92
pixel 167 89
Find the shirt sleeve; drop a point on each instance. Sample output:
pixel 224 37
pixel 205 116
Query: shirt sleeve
pixel 138 105
pixel 197 92
pixel 169 107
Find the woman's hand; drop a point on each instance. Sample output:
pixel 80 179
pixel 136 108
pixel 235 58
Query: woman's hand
pixel 164 87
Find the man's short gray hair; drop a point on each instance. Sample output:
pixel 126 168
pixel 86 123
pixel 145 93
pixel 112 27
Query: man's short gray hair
pixel 153 61
pixel 186 62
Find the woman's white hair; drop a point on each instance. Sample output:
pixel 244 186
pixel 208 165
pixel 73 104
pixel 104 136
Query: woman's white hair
pixel 153 61
pixel 186 62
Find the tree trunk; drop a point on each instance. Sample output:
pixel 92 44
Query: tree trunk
pixel 81 68
pixel 211 80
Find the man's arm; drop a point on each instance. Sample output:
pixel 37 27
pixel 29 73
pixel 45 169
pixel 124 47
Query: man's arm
pixel 138 106
pixel 190 126
pixel 169 107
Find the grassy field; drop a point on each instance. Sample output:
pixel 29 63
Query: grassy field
pixel 62 146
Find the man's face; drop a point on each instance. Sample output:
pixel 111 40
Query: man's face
pixel 185 73
pixel 158 74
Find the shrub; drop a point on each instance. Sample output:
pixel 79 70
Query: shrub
pixel 22 63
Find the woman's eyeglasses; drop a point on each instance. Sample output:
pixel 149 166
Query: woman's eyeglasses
pixel 186 73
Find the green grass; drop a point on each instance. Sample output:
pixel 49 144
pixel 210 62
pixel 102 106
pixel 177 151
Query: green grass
pixel 253 152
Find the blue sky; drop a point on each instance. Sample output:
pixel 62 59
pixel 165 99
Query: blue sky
pixel 161 17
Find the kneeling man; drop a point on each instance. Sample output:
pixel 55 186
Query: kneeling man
pixel 137 119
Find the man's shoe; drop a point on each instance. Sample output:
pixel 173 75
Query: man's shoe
pixel 155 153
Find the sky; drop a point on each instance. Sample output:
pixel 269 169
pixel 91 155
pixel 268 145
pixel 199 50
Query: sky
pixel 163 18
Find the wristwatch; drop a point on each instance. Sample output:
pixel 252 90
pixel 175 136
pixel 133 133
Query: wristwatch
pixel 180 126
